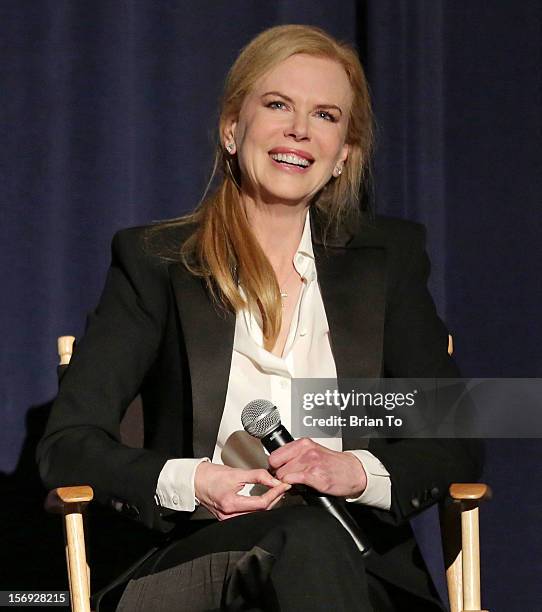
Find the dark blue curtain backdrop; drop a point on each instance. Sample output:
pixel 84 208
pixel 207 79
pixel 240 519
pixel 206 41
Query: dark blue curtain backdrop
pixel 107 120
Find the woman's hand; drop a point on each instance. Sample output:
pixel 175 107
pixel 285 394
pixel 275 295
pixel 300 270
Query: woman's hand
pixel 306 462
pixel 217 488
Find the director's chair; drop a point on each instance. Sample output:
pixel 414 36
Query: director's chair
pixel 459 521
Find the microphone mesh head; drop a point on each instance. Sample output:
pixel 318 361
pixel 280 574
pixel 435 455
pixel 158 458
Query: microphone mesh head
pixel 260 417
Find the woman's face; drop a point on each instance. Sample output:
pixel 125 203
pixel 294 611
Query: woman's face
pixel 290 134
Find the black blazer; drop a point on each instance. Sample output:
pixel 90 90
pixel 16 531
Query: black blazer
pixel 156 331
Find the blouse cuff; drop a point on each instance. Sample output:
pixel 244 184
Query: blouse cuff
pixel 175 489
pixel 377 493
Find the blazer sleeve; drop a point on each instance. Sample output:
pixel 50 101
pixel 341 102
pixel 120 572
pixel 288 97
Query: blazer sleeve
pixel 416 345
pixel 81 444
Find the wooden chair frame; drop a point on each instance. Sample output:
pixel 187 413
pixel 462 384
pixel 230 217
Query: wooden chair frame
pixel 459 521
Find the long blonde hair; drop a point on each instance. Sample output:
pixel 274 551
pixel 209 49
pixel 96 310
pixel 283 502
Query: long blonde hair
pixel 222 249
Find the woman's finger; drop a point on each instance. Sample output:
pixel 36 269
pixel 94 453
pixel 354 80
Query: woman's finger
pixel 259 476
pixel 304 478
pixel 276 493
pixel 243 503
pixel 290 451
pixel 296 464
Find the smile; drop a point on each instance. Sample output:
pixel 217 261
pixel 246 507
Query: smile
pixel 290 159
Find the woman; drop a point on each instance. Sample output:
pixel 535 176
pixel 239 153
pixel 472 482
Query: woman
pixel 274 276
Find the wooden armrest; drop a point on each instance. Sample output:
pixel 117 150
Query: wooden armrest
pixel 470 491
pixel 64 498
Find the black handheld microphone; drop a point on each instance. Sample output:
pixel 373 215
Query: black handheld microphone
pixel 261 419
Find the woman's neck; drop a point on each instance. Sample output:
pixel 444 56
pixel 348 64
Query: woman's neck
pixel 278 229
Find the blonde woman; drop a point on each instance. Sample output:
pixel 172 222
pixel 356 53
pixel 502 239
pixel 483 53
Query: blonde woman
pixel 276 275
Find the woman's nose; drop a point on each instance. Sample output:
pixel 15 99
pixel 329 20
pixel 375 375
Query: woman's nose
pixel 298 127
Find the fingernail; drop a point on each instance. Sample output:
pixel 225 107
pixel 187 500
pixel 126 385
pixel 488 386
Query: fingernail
pixel 276 482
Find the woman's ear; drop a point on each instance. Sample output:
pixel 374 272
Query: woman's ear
pixel 228 136
pixel 344 153
pixel 338 170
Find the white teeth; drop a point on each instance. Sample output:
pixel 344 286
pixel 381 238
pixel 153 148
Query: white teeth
pixel 290 158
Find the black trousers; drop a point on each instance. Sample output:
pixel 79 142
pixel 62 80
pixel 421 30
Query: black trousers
pixel 289 559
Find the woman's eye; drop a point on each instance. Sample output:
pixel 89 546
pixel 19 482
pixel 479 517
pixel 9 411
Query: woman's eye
pixel 276 104
pixel 327 116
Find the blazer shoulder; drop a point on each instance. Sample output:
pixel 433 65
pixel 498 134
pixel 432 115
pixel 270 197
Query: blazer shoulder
pixel 155 245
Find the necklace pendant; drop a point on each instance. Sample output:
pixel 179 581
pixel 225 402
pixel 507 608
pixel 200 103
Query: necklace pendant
pixel 283 294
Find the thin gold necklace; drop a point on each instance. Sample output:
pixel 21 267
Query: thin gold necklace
pixel 284 294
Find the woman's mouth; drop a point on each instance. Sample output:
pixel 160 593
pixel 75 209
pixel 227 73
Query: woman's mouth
pixel 291 161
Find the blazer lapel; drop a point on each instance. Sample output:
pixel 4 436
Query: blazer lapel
pixel 208 335
pixel 352 279
pixel 352 282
